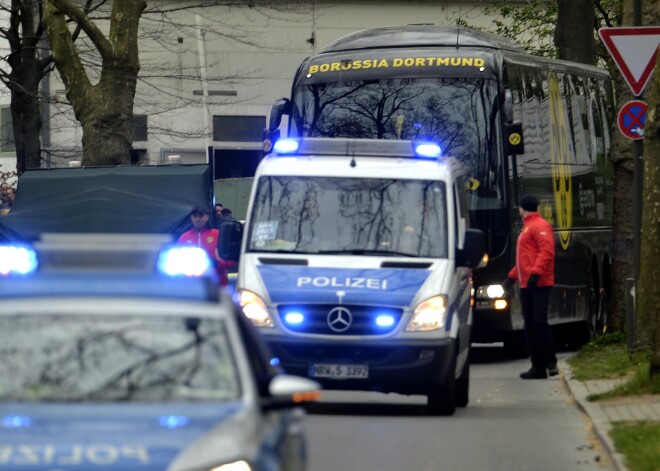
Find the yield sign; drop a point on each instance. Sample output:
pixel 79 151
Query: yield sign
pixel 633 50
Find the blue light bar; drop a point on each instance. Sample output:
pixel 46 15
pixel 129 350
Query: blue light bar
pixel 17 260
pixel 286 146
pixel 184 261
pixel 428 150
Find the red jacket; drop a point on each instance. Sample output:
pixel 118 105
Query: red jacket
pixel 207 239
pixel 535 252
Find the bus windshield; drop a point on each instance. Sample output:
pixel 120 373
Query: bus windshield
pixel 363 216
pixel 459 113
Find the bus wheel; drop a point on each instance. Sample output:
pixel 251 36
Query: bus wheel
pixel 463 385
pixel 600 321
pixel 515 344
pixel 441 399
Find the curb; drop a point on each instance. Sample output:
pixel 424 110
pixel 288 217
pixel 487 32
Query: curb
pixel 601 424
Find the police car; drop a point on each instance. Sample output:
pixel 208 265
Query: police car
pixel 356 266
pixel 121 353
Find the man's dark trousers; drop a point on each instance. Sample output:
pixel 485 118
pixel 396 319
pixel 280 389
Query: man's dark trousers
pixel 539 336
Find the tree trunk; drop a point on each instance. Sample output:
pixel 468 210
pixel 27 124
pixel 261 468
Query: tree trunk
pixel 104 109
pixel 26 115
pixel 648 317
pixel 26 71
pixel 574 35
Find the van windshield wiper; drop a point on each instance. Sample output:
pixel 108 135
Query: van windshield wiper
pixel 365 252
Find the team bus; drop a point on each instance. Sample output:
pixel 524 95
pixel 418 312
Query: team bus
pixel 519 124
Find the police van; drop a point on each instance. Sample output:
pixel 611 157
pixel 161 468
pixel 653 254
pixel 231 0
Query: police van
pixel 356 266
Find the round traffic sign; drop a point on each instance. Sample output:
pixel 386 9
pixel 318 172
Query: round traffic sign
pixel 631 119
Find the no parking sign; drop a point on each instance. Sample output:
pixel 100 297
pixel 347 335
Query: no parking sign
pixel 632 118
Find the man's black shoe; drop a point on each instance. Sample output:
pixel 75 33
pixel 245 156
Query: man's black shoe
pixel 552 369
pixel 533 373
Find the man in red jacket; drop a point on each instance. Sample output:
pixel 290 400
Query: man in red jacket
pixel 201 235
pixel 535 273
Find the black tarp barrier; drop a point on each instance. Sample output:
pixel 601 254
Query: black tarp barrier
pixel 131 199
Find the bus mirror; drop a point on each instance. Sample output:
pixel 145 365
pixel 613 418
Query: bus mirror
pixel 513 137
pixel 281 107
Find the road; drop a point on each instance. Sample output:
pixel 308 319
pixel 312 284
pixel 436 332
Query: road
pixel 509 425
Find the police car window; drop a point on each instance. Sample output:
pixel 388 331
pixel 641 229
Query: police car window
pixel 99 358
pixel 349 215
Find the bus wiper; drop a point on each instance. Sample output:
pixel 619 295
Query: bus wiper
pixel 365 252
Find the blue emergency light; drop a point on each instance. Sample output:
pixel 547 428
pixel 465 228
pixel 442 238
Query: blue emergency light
pixel 184 261
pixel 17 260
pixel 428 150
pixel 286 146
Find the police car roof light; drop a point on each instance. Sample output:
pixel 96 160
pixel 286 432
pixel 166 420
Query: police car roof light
pixel 428 150
pixel 286 146
pixel 17 260
pixel 183 261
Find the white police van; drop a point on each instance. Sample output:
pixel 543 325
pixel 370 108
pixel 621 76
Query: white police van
pixel 356 266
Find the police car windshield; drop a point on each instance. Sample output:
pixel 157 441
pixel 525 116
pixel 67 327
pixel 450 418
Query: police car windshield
pixel 461 114
pixel 317 215
pixel 102 358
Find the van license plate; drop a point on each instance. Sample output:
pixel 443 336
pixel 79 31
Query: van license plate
pixel 322 370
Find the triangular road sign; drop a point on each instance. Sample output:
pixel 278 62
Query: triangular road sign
pixel 634 51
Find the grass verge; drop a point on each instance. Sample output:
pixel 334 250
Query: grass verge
pixel 639 443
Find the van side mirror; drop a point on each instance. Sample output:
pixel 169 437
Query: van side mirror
pixel 473 250
pixel 513 138
pixel 229 242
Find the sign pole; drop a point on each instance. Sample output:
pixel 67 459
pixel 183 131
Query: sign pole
pixel 638 184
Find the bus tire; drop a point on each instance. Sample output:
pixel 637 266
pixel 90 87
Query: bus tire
pixel 515 344
pixel 441 399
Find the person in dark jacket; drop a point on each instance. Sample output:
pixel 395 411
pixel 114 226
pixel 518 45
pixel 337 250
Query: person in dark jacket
pixel 535 273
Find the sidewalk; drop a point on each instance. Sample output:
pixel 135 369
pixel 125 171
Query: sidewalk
pixel 603 413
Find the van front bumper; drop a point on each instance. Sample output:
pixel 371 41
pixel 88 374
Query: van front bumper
pixel 401 366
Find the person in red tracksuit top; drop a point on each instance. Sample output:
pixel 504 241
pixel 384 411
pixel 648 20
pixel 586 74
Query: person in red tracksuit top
pixel 535 273
pixel 201 235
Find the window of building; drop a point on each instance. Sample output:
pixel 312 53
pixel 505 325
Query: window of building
pixel 238 128
pixel 140 127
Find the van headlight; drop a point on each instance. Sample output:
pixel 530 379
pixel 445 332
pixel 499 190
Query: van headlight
pixel 430 314
pixel 255 309
pixel 235 466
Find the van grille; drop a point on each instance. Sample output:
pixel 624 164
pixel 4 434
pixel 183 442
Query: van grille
pixel 345 319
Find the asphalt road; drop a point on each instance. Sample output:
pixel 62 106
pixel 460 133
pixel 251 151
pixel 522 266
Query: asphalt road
pixel 509 425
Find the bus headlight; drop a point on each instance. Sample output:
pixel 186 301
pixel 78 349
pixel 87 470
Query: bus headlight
pixel 255 309
pixel 430 314
pixel 491 297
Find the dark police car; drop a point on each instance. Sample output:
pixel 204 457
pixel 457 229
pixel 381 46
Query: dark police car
pixel 120 352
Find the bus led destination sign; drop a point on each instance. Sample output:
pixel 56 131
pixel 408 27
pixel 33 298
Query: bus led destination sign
pixel 398 62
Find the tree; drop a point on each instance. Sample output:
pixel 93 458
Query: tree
pixel 647 313
pixel 27 67
pixel 105 108
pixel 575 42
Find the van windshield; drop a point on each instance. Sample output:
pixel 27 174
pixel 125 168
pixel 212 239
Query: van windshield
pixel 316 215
